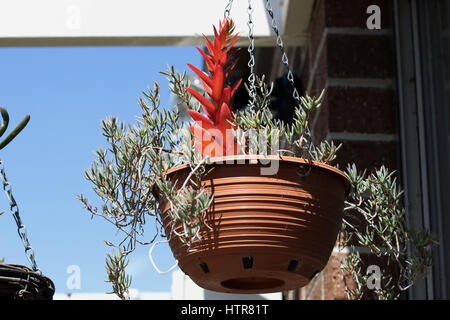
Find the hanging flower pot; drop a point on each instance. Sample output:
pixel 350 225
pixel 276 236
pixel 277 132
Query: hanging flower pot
pixel 239 227
pixel 263 233
pixel 20 283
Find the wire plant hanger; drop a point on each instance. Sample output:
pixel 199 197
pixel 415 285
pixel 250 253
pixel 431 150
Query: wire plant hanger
pixel 19 282
pixel 284 60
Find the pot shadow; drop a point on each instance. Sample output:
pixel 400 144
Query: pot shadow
pixel 213 221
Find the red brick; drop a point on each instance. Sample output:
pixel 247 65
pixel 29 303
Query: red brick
pixel 368 110
pixel 360 56
pixel 367 154
pixel 334 287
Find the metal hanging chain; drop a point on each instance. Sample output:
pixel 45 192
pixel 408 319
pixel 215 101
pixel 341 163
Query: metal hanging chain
pixel 226 13
pixel 290 76
pixel 21 229
pixel 251 51
pixel 284 58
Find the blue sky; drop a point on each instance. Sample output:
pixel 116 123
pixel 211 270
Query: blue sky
pixel 68 91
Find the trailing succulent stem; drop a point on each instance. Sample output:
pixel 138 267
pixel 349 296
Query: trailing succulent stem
pixel 15 131
pixel 375 219
pixel 115 268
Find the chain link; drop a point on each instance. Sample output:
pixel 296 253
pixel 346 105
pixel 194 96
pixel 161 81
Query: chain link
pixel 251 51
pixel 290 76
pixel 226 13
pixel 284 58
pixel 21 229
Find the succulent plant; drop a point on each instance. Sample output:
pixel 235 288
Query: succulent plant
pixel 211 131
pixel 14 132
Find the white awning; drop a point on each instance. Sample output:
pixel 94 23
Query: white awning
pixel 143 22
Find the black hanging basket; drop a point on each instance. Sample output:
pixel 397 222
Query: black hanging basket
pixel 21 283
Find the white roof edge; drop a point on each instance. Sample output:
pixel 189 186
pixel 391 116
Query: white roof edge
pixel 137 22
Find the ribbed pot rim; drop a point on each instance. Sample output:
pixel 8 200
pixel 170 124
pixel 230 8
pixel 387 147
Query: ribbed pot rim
pixel 222 161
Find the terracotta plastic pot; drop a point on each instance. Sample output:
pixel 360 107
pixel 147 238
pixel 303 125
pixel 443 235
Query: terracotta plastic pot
pixel 269 233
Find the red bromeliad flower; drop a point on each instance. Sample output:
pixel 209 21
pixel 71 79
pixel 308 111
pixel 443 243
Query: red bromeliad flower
pixel 213 132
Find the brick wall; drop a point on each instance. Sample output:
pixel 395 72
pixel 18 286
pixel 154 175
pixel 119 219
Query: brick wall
pixel 355 65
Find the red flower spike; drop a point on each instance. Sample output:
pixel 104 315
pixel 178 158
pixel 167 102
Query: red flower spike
pixel 199 118
pixel 233 41
pixel 224 116
pixel 226 95
pixel 201 74
pixel 212 133
pixel 205 137
pixel 217 86
pixel 233 53
pixel 230 68
pixel 204 140
pixel 209 62
pixel 217 47
pixel 208 107
pixel 207 88
pixel 210 46
pixel 222 59
pixel 216 35
pixel 235 87
pixel 223 35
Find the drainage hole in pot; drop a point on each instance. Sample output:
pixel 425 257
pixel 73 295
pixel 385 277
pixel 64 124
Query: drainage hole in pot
pixel 247 262
pixel 292 265
pixel 204 267
pixel 252 283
